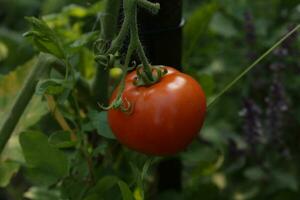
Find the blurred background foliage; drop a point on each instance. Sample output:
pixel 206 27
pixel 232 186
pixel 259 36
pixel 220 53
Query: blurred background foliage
pixel 249 145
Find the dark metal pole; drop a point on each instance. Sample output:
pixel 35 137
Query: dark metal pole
pixel 162 38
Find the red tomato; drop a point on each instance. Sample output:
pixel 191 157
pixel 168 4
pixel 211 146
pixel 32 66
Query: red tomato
pixel 165 116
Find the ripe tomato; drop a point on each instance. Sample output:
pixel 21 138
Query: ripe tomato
pixel 165 116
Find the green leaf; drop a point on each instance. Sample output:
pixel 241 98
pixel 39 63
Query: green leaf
pixel 138 194
pixel 197 27
pixel 254 173
pixel 146 167
pixel 126 192
pixel 75 11
pixel 223 26
pixel 7 170
pixel 73 188
pixel 79 166
pixel 41 193
pixel 44 38
pixel 208 84
pixel 103 185
pixel 40 176
pixel 205 160
pixel 85 39
pixel 100 149
pixel 53 86
pixel 100 123
pixel 3 51
pixel 285 180
pixel 14 44
pixel 42 157
pixel 61 139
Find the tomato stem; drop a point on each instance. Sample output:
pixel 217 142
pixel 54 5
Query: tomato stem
pixel 140 49
pixel 130 26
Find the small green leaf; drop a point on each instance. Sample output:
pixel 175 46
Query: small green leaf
pixel 61 139
pixel 40 176
pixel 84 39
pixel 223 26
pixel 207 83
pixel 146 167
pixel 53 86
pixel 7 170
pixel 100 149
pixel 79 166
pixel 138 194
pixel 75 11
pixel 44 38
pixel 104 184
pixel 100 123
pixel 285 180
pixel 197 27
pixel 254 173
pixel 3 51
pixel 42 157
pixel 125 190
pixel 73 188
pixel 41 193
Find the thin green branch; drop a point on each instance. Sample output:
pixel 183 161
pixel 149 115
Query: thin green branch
pixel 119 40
pixel 151 7
pixel 245 71
pixel 140 49
pixel 24 97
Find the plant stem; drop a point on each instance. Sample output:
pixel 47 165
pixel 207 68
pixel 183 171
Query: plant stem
pixel 130 51
pixel 140 49
pixel 245 71
pixel 24 97
pixel 118 41
pixel 108 31
pixel 59 117
pixel 151 7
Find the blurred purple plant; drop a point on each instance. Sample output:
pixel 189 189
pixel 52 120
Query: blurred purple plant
pixel 252 127
pixel 277 105
pixel 265 126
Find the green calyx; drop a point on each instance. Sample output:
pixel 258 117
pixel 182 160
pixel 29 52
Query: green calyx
pixel 142 78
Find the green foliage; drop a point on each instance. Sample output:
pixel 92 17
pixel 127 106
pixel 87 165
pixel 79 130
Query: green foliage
pixel 45 38
pixel 99 122
pixel 46 163
pixel 194 33
pixel 61 139
pixel 126 193
pixel 7 170
pixel 41 193
pixel 53 86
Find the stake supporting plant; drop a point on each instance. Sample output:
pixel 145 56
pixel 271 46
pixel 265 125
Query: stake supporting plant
pixel 108 30
pixel 41 67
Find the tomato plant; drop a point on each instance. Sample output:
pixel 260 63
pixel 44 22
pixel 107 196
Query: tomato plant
pixel 67 131
pixel 163 118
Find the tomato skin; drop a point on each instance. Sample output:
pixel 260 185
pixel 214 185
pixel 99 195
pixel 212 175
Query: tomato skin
pixel 165 116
